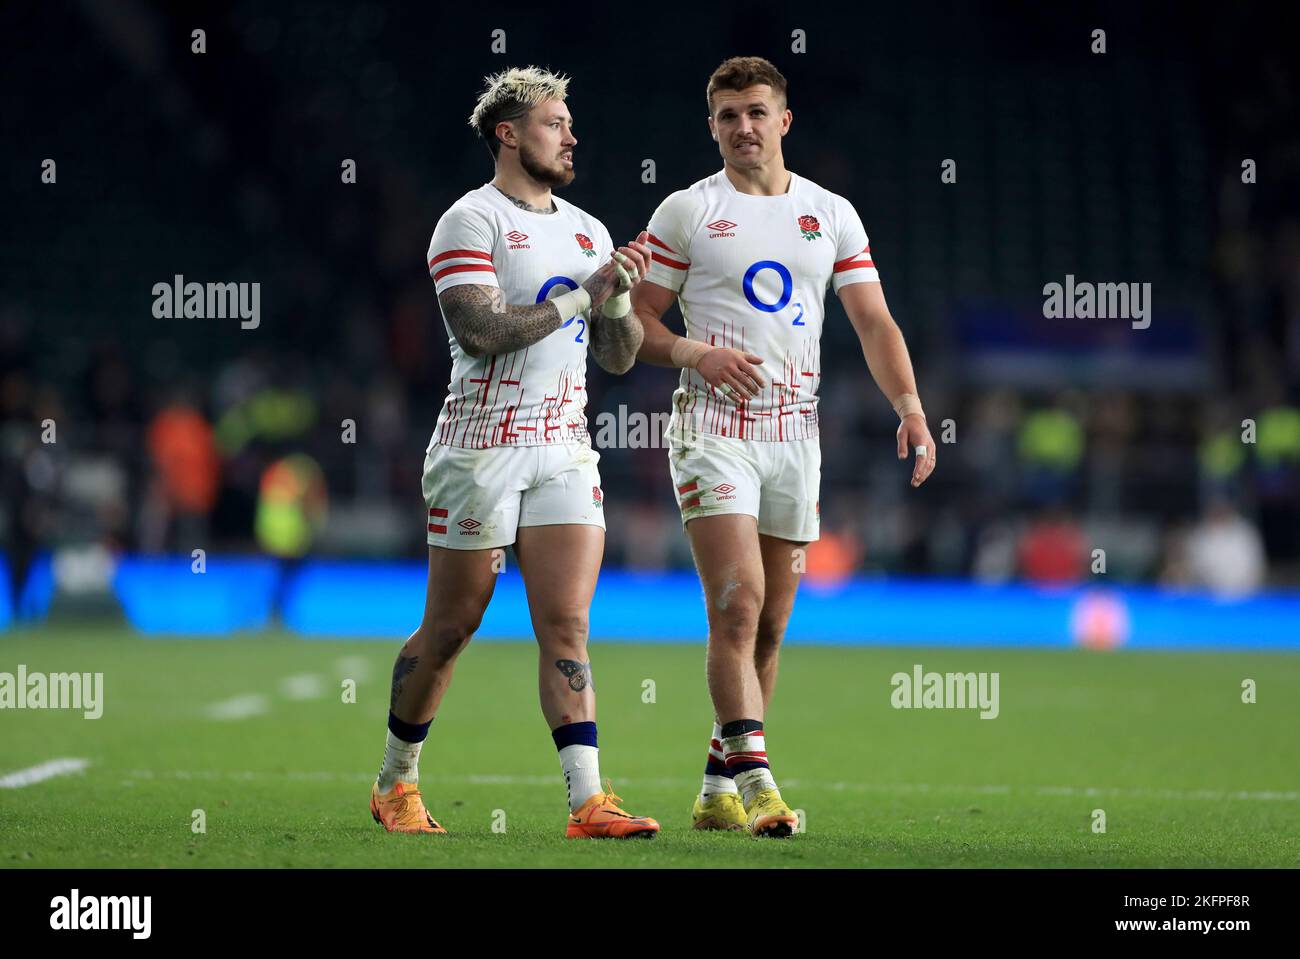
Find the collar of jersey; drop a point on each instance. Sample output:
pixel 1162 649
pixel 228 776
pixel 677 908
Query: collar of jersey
pixel 559 207
pixel 789 191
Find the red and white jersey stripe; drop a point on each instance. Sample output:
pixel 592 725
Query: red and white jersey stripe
pixel 751 272
pixel 536 395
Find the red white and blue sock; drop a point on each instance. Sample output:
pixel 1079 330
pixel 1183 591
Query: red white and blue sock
pixel 745 754
pixel 717 777
pixel 579 760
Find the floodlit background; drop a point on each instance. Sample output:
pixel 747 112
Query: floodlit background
pixel 1067 436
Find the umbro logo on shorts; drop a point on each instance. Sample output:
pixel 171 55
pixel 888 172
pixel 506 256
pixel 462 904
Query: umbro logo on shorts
pixel 468 526
pixel 723 228
pixel 724 491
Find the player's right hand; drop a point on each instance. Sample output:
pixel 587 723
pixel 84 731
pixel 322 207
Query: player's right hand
pixel 634 260
pixel 602 284
pixel 732 373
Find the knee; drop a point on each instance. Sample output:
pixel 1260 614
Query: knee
pixel 563 631
pixel 442 641
pixel 734 615
pixel 771 631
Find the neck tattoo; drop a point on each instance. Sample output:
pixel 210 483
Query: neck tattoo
pixel 522 205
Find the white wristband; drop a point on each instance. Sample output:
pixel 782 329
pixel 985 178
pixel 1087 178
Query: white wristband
pixel 572 303
pixel 617 306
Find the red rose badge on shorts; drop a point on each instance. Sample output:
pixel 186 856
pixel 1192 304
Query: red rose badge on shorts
pixel 588 248
pixel 809 227
pixel 596 498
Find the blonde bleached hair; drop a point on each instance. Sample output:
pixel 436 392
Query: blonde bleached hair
pixel 510 94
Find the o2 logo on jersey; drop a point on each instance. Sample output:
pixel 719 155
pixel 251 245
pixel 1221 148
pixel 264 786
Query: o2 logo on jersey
pixel 565 281
pixel 787 290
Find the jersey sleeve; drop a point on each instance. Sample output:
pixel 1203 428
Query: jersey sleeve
pixel 670 242
pixel 461 249
pixel 853 262
pixel 605 248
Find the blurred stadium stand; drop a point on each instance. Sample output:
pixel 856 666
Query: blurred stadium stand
pixel 174 435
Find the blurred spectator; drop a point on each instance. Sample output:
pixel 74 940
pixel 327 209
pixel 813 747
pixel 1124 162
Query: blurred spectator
pixel 1052 549
pixel 183 489
pixel 291 506
pixel 834 557
pixel 1051 445
pixel 1223 553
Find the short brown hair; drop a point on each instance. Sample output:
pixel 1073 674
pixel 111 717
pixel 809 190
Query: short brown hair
pixel 740 73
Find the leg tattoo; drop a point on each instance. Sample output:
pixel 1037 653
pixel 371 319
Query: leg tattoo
pixel 579 674
pixel 404 666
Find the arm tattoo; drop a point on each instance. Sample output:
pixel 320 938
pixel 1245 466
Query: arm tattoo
pixel 598 283
pixel 615 341
pixel 579 674
pixel 404 666
pixel 484 326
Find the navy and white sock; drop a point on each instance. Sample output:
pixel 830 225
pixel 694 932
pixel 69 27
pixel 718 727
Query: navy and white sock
pixel 402 753
pixel 745 753
pixel 579 760
pixel 717 777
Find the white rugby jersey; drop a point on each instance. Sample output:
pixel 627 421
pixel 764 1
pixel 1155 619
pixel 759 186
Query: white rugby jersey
pixel 536 395
pixel 751 272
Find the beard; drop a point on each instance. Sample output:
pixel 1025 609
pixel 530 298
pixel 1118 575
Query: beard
pixel 550 176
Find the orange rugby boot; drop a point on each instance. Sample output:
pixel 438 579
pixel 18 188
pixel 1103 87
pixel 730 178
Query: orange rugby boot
pixel 599 817
pixel 401 809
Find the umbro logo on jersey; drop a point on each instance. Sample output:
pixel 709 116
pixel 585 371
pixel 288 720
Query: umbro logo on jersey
pixel 723 228
pixel 517 240
pixel 469 526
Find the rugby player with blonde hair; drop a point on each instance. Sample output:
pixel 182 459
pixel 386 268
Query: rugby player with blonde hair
pixel 527 283
pixel 748 254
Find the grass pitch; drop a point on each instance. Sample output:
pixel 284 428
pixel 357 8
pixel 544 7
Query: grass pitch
pixel 254 732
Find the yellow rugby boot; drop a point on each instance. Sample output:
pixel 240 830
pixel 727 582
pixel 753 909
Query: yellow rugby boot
pixel 720 811
pixel 768 815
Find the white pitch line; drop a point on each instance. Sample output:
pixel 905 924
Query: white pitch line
pixel 353 667
pixel 302 687
pixel 482 779
pixel 46 770
pixel 238 707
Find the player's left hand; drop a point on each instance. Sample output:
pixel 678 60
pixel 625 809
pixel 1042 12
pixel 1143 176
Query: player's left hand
pixel 914 431
pixel 629 264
